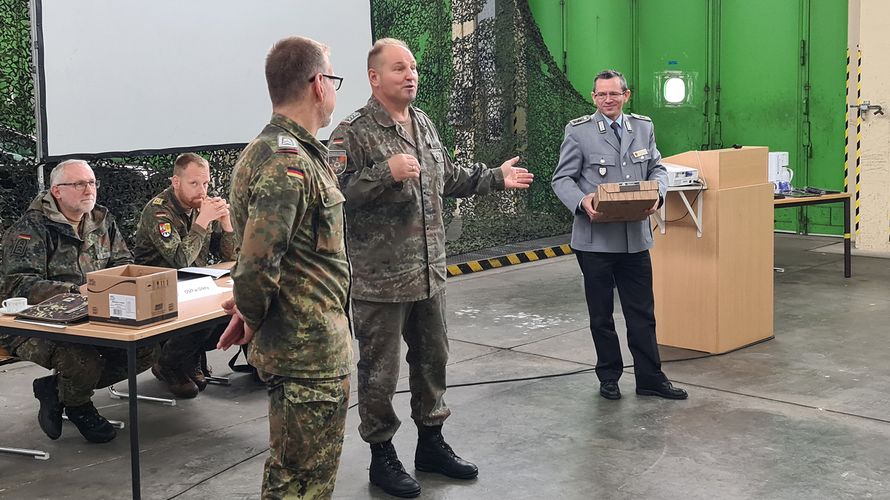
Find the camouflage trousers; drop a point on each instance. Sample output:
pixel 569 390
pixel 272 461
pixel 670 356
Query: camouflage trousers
pixel 379 328
pixel 307 421
pixel 183 352
pixel 82 368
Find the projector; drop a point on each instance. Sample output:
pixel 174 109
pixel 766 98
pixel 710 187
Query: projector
pixel 678 175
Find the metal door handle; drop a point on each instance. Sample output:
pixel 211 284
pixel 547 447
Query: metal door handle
pixel 867 105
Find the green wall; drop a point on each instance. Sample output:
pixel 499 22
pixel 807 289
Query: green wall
pixel 764 72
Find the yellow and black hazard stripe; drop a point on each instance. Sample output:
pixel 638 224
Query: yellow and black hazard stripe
pixel 474 266
pixel 847 115
pixel 858 137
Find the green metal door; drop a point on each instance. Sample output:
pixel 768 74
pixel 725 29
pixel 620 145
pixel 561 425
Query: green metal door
pixel 826 64
pixel 759 85
pixel 672 42
pixel 599 32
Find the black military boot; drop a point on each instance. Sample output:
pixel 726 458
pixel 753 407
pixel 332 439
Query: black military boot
pixel 177 382
pixel 200 372
pixel 386 471
pixel 94 427
pixel 434 455
pixel 46 390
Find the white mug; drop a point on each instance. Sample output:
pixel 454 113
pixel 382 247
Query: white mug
pixel 15 304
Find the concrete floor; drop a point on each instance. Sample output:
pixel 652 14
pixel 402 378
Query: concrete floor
pixel 802 416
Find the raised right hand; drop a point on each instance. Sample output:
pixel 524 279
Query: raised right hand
pixel 403 167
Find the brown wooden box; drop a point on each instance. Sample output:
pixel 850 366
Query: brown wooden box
pixel 626 201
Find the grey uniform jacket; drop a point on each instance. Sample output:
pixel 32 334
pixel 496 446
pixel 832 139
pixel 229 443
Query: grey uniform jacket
pixel 589 156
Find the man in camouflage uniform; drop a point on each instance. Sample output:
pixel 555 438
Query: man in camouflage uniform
pixel 61 237
pixel 183 227
pixel 292 274
pixel 396 174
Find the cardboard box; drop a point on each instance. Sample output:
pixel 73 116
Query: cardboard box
pixel 625 201
pixel 132 296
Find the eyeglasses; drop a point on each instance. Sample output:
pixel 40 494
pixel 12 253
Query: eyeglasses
pixel 81 185
pixel 338 80
pixel 613 95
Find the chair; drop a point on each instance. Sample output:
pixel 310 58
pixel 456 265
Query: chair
pixel 6 359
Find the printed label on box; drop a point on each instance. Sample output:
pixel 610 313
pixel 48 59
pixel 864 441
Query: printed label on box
pixel 122 306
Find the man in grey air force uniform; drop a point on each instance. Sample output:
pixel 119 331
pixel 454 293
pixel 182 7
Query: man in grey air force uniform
pixel 605 147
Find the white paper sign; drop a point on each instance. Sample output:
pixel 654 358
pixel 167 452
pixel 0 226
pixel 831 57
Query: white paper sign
pixel 197 288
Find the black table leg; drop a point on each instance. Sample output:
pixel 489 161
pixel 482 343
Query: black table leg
pixel 134 423
pixel 848 264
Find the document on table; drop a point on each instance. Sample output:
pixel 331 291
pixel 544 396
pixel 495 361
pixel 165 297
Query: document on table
pixel 202 271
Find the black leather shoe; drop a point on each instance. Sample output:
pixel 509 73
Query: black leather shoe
pixel 434 455
pixel 664 390
pixel 609 390
pixel 94 427
pixel 49 417
pixel 387 472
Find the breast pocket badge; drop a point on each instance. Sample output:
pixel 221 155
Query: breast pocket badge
pixel 337 160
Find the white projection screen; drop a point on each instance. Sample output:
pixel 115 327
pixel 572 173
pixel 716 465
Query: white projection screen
pixel 159 76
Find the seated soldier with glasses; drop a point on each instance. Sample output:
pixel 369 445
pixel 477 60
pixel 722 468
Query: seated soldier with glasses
pixel 62 236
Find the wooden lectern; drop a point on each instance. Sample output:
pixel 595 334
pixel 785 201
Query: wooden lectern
pixel 714 293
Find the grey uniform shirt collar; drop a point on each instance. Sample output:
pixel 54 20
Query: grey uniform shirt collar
pixel 620 121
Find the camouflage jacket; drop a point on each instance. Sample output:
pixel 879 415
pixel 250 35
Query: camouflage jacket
pixel 167 236
pixel 396 234
pixel 292 275
pixel 43 256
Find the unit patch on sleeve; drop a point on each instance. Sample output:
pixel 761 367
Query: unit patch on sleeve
pixel 165 229
pixel 337 160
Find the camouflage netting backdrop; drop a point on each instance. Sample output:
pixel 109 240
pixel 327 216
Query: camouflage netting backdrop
pixel 486 79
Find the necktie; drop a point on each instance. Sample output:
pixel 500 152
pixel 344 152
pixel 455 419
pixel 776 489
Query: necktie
pixel 617 129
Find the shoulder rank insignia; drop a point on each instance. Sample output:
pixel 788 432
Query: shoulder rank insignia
pixel 157 201
pixel 579 120
pixel 288 144
pixel 165 229
pixel 337 160
pixel 641 117
pixel 351 117
pixel 21 244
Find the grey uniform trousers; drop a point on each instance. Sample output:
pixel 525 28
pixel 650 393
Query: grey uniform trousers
pixel 379 328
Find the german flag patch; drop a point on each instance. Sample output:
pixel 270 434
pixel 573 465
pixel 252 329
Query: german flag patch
pixel 295 172
pixel 24 236
pixel 160 214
